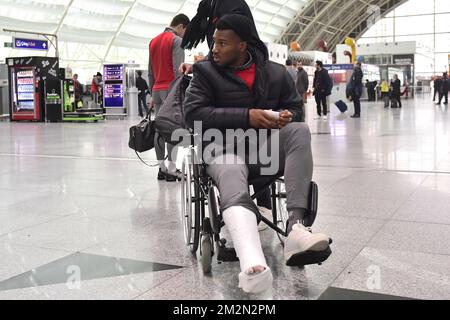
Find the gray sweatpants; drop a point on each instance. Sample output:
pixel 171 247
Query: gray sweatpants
pixel 160 145
pixel 231 173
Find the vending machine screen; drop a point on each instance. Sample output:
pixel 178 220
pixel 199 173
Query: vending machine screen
pixel 25 91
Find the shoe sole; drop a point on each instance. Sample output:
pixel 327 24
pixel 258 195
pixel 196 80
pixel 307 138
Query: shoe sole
pixel 173 179
pixel 308 258
pixel 318 247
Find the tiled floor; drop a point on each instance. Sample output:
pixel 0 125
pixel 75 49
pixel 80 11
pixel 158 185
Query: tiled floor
pixel 384 198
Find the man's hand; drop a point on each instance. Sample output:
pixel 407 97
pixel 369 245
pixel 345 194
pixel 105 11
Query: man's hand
pixel 259 119
pixel 285 118
pixel 185 68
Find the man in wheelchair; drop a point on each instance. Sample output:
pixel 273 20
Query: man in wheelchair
pixel 238 88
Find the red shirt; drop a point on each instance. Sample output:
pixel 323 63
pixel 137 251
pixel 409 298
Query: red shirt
pixel 248 75
pixel 161 49
pixel 94 87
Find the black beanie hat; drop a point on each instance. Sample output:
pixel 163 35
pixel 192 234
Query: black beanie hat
pixel 203 25
pixel 240 24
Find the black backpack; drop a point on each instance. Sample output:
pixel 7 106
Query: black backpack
pixel 171 115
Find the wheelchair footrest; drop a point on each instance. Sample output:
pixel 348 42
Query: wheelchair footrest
pixel 309 257
pixel 225 254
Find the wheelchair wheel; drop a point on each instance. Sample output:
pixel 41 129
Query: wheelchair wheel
pixel 190 204
pixel 206 253
pixel 282 215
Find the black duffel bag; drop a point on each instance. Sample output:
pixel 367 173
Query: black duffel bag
pixel 142 136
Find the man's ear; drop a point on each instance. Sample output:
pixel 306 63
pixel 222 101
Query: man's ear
pixel 243 46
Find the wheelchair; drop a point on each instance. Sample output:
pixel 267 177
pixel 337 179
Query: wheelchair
pixel 202 227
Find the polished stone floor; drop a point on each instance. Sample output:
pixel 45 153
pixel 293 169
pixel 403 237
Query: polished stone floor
pixel 82 218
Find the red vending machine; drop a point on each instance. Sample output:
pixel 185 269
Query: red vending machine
pixel 29 79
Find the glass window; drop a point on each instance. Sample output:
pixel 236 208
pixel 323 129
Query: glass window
pixel 427 23
pixel 443 22
pixel 442 6
pixel 414 25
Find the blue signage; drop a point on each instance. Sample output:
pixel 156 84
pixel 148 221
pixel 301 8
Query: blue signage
pixel 30 44
pixel 332 67
pixel 113 72
pixel 113 95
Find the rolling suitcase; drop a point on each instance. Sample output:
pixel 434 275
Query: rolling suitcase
pixel 341 105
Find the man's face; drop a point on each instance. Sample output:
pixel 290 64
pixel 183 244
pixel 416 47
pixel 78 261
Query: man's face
pixel 228 48
pixel 318 66
pixel 180 30
pixel 75 77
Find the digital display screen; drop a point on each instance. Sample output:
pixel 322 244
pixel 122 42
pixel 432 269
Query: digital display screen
pixel 113 94
pixel 113 72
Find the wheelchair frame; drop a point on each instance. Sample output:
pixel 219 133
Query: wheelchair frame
pixel 201 231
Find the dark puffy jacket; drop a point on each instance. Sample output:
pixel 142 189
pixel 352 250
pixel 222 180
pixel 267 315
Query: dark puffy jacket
pixel 356 82
pixel 302 81
pixel 322 82
pixel 222 100
pixel 445 85
pixel 396 84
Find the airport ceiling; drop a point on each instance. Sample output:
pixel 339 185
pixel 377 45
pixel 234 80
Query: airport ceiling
pixel 132 23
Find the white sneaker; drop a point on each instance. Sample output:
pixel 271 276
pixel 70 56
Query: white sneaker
pixel 318 118
pixel 301 240
pixel 325 118
pixel 266 213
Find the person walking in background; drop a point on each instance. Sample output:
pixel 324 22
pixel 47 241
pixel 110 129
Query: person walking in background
pixel 142 87
pixel 100 88
pixel 357 86
pixel 443 93
pixel 291 70
pixel 437 88
pixel 95 88
pixel 396 93
pixel 385 93
pixel 78 91
pixel 302 82
pixel 322 89
pixel 165 57
pixel 369 91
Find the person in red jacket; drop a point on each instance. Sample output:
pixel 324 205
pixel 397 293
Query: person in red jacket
pixel 165 57
pixel 96 87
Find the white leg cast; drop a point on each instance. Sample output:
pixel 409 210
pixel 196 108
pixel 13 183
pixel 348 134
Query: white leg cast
pixel 242 225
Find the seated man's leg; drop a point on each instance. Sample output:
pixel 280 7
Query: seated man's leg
pixel 264 199
pixel 296 156
pixel 230 173
pixel 264 203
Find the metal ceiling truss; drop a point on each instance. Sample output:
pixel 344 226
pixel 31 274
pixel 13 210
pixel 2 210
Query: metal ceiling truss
pixel 333 21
